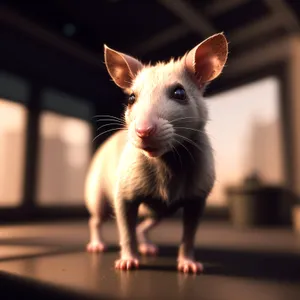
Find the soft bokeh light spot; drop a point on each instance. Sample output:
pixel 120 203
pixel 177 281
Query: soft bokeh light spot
pixel 12 150
pixel 65 156
pixel 244 123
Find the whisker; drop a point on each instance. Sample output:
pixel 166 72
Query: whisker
pixel 189 152
pixel 188 128
pixel 183 118
pixel 162 137
pixel 105 116
pixel 111 120
pixel 109 130
pixel 166 130
pixel 174 150
pixel 190 141
pixel 105 125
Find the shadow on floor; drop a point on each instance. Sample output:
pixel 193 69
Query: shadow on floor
pixel 272 266
pixel 14 287
pixel 240 263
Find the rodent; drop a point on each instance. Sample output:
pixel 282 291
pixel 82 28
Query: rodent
pixel 162 159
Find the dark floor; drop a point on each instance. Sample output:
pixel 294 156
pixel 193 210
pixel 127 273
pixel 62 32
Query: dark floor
pixel 49 262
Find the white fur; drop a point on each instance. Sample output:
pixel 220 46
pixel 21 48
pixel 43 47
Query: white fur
pixel 123 174
pixel 118 157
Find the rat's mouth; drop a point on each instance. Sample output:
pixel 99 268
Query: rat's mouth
pixel 150 148
pixel 151 151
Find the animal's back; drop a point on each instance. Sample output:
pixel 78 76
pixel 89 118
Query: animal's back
pixel 102 172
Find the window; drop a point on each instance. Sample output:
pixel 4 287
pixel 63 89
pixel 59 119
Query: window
pixel 245 131
pixel 12 152
pixel 65 151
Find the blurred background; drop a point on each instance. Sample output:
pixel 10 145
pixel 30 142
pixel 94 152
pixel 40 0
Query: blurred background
pixel 53 82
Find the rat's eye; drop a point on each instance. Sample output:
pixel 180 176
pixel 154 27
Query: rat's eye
pixel 179 93
pixel 131 99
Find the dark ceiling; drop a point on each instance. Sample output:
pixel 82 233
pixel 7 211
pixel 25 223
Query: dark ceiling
pixel 60 42
pixel 158 29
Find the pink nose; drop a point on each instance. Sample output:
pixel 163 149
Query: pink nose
pixel 144 129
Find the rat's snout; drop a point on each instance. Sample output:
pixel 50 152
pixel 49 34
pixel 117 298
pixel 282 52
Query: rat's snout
pixel 147 135
pixel 145 128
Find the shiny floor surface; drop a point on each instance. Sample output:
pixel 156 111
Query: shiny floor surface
pixel 48 261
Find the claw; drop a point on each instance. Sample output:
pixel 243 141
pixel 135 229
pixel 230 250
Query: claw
pixel 190 266
pixel 127 264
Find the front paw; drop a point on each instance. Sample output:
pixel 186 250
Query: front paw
pixel 96 247
pixel 186 265
pixel 127 263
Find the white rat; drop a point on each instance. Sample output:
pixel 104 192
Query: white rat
pixel 162 160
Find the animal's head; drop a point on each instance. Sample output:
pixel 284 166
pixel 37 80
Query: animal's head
pixel 165 103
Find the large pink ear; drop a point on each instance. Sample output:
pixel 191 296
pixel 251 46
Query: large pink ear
pixel 121 67
pixel 206 61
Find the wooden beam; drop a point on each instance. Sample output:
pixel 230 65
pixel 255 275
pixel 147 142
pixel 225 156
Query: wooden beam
pixel 218 7
pixel 287 16
pixel 259 27
pixel 161 39
pixel 32 150
pixel 275 51
pixel 14 19
pixel 194 19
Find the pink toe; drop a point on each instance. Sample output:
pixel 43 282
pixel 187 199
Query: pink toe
pixel 200 267
pixel 95 247
pixel 126 264
pixel 189 266
pixel 148 249
pixel 195 269
pixel 136 262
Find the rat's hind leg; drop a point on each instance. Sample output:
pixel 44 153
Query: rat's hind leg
pixel 150 220
pixel 146 247
pixel 96 243
pixel 98 217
